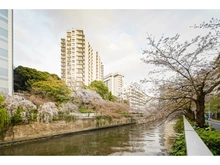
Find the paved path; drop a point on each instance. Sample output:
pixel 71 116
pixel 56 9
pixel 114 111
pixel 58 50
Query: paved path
pixel 215 124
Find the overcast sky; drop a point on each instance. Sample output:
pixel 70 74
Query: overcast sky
pixel 118 35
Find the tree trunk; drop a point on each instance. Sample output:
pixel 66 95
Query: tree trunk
pixel 200 108
pixel 190 115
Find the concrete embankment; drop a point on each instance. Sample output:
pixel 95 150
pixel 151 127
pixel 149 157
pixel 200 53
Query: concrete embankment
pixel 36 131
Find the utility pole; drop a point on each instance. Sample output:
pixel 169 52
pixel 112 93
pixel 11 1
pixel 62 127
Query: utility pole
pixel 209 111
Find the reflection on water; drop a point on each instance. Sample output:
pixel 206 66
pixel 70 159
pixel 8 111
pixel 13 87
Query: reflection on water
pixel 131 140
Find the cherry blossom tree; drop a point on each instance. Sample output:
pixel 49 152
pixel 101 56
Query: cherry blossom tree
pixel 47 112
pixel 194 64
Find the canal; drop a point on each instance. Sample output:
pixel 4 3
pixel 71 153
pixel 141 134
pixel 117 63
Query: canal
pixel 130 140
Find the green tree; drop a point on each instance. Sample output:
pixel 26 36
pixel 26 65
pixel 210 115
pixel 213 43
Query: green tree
pixel 102 90
pixel 214 104
pixel 24 77
pixel 55 90
pixel 4 119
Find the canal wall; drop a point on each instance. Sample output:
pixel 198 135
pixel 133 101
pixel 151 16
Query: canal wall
pixel 36 130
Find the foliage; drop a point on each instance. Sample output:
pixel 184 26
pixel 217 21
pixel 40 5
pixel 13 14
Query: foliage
pixel 68 108
pixel 47 86
pixel 24 77
pixel 179 146
pixel 87 96
pixel 102 90
pixel 69 118
pixel 85 110
pixel 101 120
pixel 211 138
pixel 214 104
pixel 47 112
pixel 17 118
pixel 4 118
pixel 67 112
pixel 179 126
pixel 17 104
pixel 56 90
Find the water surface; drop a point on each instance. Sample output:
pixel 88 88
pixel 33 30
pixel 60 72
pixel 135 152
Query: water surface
pixel 130 140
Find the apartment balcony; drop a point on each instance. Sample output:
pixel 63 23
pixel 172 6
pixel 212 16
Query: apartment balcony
pixel 63 50
pixel 80 59
pixel 62 40
pixel 79 75
pixel 80 33
pixel 81 38
pixel 80 44
pixel 80 51
pixel 79 66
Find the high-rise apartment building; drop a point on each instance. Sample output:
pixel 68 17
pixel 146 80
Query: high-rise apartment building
pixel 137 99
pixel 115 84
pixel 80 64
pixel 6 51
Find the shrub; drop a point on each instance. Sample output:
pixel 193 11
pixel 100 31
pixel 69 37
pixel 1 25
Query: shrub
pixel 15 103
pixel 179 126
pixel 4 122
pixel 179 146
pixel 211 138
pixel 81 110
pixel 101 120
pixel 69 118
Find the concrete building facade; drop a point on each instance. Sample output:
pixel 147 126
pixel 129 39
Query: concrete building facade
pixel 80 64
pixel 136 98
pixel 115 84
pixel 6 51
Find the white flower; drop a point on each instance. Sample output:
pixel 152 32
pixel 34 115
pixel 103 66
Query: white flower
pixel 47 112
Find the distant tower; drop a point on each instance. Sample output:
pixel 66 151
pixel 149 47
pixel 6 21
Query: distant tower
pixel 115 84
pixel 6 51
pixel 80 64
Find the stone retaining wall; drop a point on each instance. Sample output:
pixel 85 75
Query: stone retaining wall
pixel 36 129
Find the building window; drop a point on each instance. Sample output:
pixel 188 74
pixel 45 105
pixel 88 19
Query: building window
pixel 4 12
pixel 3 32
pixel 3 19
pixel 3 52
pixel 4 72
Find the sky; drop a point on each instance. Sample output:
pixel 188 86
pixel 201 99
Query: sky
pixel 116 30
pixel 119 35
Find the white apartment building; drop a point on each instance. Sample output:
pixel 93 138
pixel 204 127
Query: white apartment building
pixel 136 98
pixel 80 64
pixel 115 84
pixel 6 51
